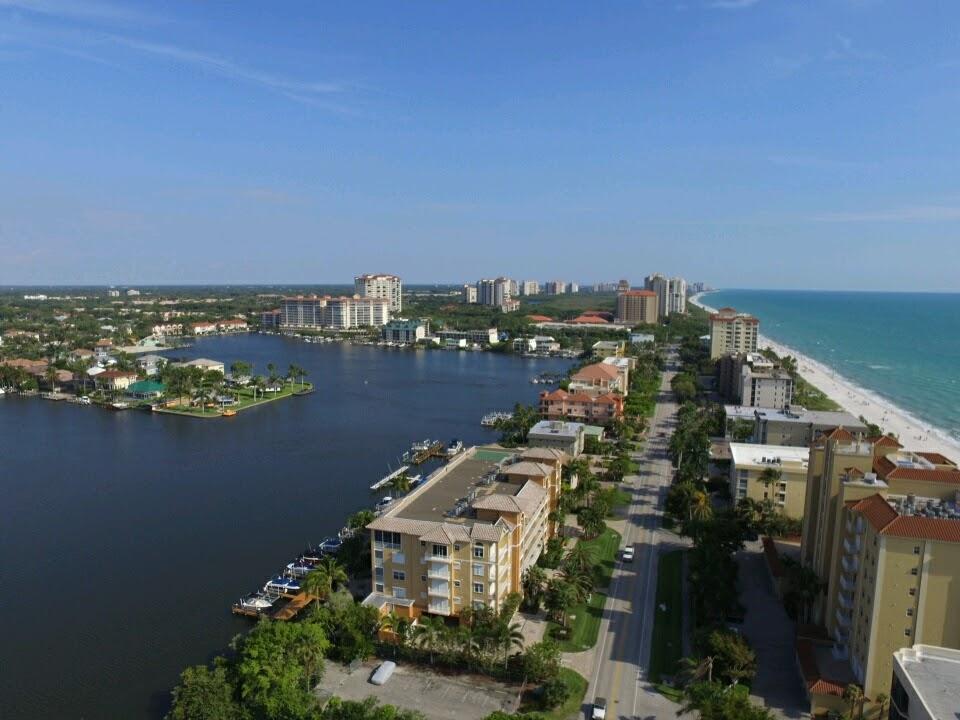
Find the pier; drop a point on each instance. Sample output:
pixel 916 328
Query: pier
pixel 435 450
pixel 389 478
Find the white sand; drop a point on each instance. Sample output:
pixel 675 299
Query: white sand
pixel 913 433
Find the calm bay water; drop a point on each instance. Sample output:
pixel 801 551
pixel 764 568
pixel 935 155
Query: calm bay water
pixel 902 346
pixel 125 537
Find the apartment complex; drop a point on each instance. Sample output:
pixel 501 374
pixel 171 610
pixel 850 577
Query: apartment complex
pixel 785 487
pixel 596 407
pixel 732 332
pixel 469 294
pixel 671 294
pixel 529 287
pixel 637 307
pixel 557 434
pixel 751 380
pixel 480 337
pixel 337 313
pixel 602 376
pixel 794 426
pixel 383 287
pixel 926 684
pixel 882 531
pixel 402 330
pixel 555 287
pixel 464 537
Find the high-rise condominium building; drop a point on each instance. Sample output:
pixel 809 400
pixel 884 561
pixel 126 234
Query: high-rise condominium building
pixel 555 287
pixel 671 293
pixel 385 287
pixel 465 536
pixel 623 286
pixel 469 294
pixel 336 313
pixel 494 292
pixel 732 332
pixel 881 530
pixel 637 307
pixel 529 287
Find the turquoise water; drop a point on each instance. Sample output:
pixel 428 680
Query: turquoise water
pixel 904 347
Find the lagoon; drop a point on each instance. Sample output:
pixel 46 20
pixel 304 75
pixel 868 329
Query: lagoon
pixel 125 536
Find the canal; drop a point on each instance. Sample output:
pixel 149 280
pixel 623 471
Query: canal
pixel 126 536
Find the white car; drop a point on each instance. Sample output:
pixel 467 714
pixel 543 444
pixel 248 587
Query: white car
pixel 599 709
pixel 627 554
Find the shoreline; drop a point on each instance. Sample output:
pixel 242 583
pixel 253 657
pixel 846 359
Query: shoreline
pixel 913 433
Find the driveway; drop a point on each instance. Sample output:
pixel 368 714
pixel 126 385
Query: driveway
pixel 413 687
pixel 772 635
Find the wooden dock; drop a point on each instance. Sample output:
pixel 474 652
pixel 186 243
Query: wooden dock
pixel 286 611
pixel 435 450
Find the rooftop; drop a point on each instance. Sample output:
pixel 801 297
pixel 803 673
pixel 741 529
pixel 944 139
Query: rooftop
pixel 768 455
pixel 796 415
pixel 911 517
pixel 934 673
pixel 557 428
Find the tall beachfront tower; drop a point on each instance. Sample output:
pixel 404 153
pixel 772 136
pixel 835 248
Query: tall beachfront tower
pixel 732 333
pixel 637 307
pixel 671 293
pixel 383 287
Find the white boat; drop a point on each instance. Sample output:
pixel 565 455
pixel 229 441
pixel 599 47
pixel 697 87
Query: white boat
pixel 119 405
pixel 384 503
pixel 491 419
pixel 299 569
pixel 454 447
pixel 257 602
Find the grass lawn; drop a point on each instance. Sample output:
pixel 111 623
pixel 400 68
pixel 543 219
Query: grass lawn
pixel 578 688
pixel 245 400
pixel 666 647
pixel 585 617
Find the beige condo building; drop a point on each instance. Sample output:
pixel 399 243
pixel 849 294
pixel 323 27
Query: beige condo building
pixel 882 532
pixel 750 462
pixel 464 537
pixel 637 307
pixel 732 332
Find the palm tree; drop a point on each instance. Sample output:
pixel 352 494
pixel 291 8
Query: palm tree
pixel 580 556
pixel 429 632
pixel 581 581
pixel 316 584
pixel 700 508
pixel 401 483
pixel 560 596
pixel 508 637
pixel 853 694
pixel 295 371
pixel 769 476
pixel 50 375
pixel 534 578
pixel 883 701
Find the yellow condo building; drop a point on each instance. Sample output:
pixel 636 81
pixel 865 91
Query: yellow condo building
pixel 882 532
pixel 464 537
pixel 774 473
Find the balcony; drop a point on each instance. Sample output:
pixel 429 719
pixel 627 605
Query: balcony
pixel 439 587
pixel 845 599
pixel 850 564
pixel 851 548
pixel 439 608
pixel 839 651
pixel 430 557
pixel 848 584
pixel 843 618
pixel 438 571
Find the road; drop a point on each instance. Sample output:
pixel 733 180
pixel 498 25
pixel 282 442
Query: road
pixel 623 647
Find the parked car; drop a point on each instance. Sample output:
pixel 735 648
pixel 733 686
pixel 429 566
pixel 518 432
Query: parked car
pixel 627 554
pixel 383 673
pixel 599 709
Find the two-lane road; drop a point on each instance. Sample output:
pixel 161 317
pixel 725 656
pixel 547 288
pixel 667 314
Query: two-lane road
pixel 623 647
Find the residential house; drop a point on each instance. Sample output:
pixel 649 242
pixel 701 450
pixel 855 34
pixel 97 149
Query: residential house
pixel 114 380
pixel 150 364
pixel 599 376
pixel 590 407
pixel 146 389
pixel 232 325
pixel 205 327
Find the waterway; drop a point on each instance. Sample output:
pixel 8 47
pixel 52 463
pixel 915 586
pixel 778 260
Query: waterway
pixel 125 536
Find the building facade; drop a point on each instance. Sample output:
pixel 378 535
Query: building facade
pixel 381 286
pixel 637 307
pixel 337 313
pixel 599 408
pixel 732 332
pixel 793 426
pixel 565 436
pixel 770 473
pixel 469 294
pixel 529 287
pixel 671 294
pixel 406 331
pixel 926 683
pixel 480 337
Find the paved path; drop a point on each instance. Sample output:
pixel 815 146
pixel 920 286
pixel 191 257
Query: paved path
pixel 617 666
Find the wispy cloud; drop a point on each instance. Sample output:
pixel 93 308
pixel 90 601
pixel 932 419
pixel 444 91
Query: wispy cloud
pixel 87 10
pixel 906 213
pixel 302 91
pixel 732 4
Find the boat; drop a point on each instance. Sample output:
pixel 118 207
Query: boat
pixel 282 585
pixel 491 419
pixel 119 405
pixel 421 446
pixel 83 400
pixel 299 569
pixel 384 503
pixel 454 447
pixel 2 392
pixel 331 544
pixel 257 602
pixel 229 413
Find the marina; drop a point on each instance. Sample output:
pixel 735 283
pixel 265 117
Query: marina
pixel 387 479
pixel 491 419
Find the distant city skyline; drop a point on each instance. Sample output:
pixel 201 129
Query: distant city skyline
pixel 743 143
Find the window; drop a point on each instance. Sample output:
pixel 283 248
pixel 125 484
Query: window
pixel 913 591
pixel 909 612
pixel 914 571
pixel 399 592
pixel 907 632
pixel 399 575
pixel 386 539
pixel 478 551
pixel 423 578
pixel 456 548
pixel 478 588
pixel 378 554
pixel 456 583
pixel 916 549
pixel 399 558
pixel 378 571
pixel 379 587
pixel 478 570
pixel 440 550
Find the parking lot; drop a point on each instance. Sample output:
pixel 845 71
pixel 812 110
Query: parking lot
pixel 457 697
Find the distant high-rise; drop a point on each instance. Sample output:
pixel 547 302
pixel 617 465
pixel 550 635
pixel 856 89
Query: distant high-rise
pixel 555 287
pixel 623 286
pixel 384 287
pixel 469 294
pixel 529 287
pixel 637 307
pixel 574 287
pixel 671 293
pixel 494 292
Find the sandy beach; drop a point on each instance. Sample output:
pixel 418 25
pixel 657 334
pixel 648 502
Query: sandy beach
pixel 913 433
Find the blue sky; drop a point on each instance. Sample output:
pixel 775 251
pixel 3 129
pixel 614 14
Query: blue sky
pixel 746 143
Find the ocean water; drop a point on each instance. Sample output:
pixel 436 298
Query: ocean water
pixel 904 347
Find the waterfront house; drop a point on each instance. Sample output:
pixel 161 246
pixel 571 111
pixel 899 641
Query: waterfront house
pixel 402 330
pixel 233 325
pixel 523 345
pixel 546 343
pixel 603 348
pixel 82 355
pixel 599 376
pixel 103 349
pixel 206 364
pixel 150 364
pixel 168 329
pixel 204 328
pixel 114 380
pixel 146 389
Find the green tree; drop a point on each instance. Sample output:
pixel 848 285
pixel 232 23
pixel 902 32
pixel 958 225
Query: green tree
pixel 733 659
pixel 533 582
pixel 205 693
pixel 429 634
pixel 554 692
pixel 591 520
pixel 541 661
pixel 559 597
pixel 369 709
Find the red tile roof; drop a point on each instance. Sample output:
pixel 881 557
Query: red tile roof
pixel 811 673
pixel 936 458
pixel 597 371
pixel 884 441
pixel 889 470
pixel 539 318
pixel 887 521
pixel 839 433
pixel 112 374
pixel 589 320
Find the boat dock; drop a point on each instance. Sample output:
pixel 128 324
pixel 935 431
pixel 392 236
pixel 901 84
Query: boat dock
pixel 389 478
pixel 285 611
pixel 423 453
